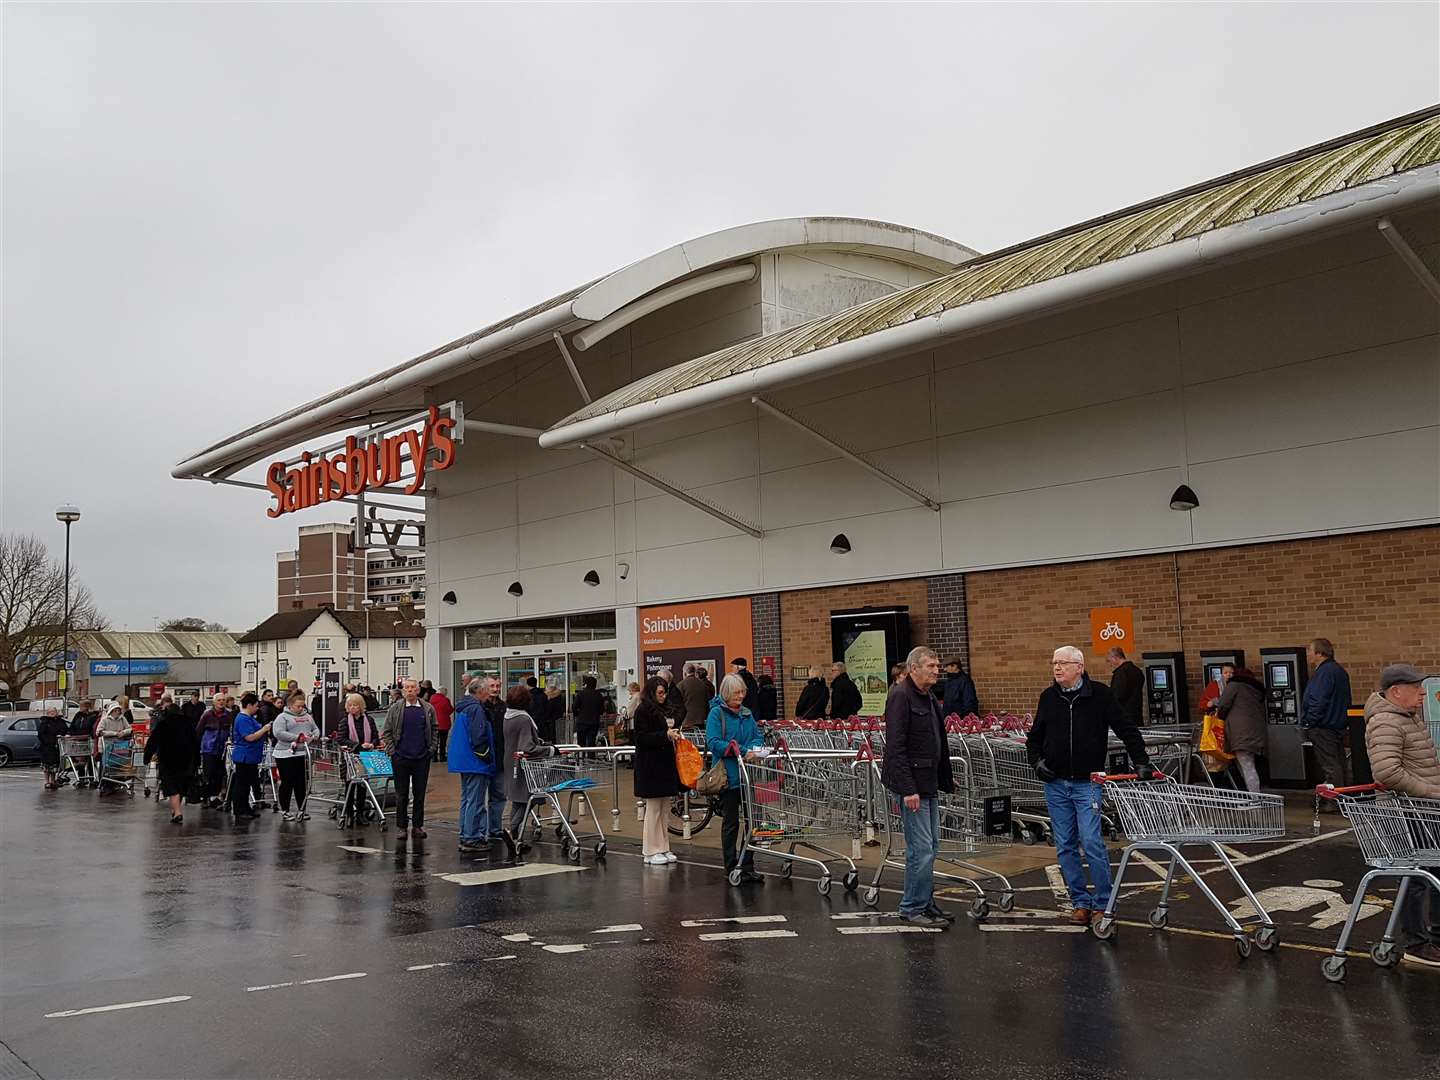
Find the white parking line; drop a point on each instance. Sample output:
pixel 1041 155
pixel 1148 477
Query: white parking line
pixel 1016 928
pixel 515 937
pixel 307 982
pixel 900 929
pixel 622 928
pixel 735 919
pixel 507 956
pixel 113 1008
pixel 427 967
pixel 746 935
pixel 361 850
pixel 564 948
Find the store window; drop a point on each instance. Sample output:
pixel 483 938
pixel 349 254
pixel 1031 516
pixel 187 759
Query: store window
pixel 592 626
pixel 533 632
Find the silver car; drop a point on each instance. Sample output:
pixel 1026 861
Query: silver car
pixel 19 737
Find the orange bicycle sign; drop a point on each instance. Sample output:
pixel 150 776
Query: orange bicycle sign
pixel 1112 627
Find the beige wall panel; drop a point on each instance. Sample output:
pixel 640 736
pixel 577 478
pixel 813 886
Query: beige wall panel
pixel 562 539
pixel 711 568
pixel 898 542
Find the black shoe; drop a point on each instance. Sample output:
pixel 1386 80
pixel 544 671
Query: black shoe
pixel 937 912
pixel 924 919
pixel 177 819
pixel 750 877
pixel 418 833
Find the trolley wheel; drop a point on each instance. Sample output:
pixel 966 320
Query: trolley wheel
pixel 275 809
pixel 560 832
pixel 147 793
pixel 334 812
pixel 575 853
pixel 1024 835
pixel 340 821
pixel 1159 918
pixel 600 850
pixel 1266 938
pixel 852 881
pixel 1006 902
pixel 786 869
pixel 980 909
pixel 1384 953
pixel 1103 928
pixel 872 896
pixel 1333 968
pixel 1242 946
pixel 735 877
pixel 384 826
pixel 823 885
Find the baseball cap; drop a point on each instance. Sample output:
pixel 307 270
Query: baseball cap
pixel 1400 673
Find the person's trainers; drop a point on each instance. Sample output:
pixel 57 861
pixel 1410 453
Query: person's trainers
pixel 936 912
pixel 302 816
pixel 924 918
pixel 1081 916
pixel 656 860
pixel 1422 956
pixel 670 856
pixel 287 816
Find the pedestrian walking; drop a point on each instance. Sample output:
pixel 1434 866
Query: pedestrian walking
pixel 1242 706
pixel 958 697
pixel 814 698
pixel 471 756
pixel 1127 683
pixel 1403 757
pixel 657 780
pixel 294 730
pixel 731 722
pixel 48 731
pixel 844 694
pixel 767 709
pixel 696 695
pixel 589 707
pixel 408 737
pixel 444 712
pixel 171 743
pixel 246 753
pixel 1069 741
pixel 916 769
pixel 521 736
pixel 1324 713
pixel 212 732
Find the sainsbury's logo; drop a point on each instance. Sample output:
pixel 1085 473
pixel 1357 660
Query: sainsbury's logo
pixel 676 624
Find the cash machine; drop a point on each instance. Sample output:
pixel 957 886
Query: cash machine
pixel 1166 696
pixel 1285 673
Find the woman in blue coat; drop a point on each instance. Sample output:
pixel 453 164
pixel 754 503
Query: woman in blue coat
pixel 730 722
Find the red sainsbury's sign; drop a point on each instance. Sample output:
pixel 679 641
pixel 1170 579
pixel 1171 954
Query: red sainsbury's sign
pixel 358 466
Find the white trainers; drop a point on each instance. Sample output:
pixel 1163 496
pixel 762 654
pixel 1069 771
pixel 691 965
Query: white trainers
pixel 656 860
pixel 287 816
pixel 670 857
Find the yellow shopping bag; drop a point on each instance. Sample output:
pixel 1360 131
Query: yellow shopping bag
pixel 1212 744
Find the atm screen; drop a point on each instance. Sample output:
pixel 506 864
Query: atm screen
pixel 1279 675
pixel 1160 678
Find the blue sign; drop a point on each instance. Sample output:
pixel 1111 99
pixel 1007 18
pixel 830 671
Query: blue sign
pixel 129 667
pixel 53 659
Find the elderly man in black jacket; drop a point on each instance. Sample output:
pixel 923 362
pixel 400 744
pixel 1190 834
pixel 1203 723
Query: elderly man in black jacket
pixel 1067 742
pixel 813 698
pixel 1127 683
pixel 917 769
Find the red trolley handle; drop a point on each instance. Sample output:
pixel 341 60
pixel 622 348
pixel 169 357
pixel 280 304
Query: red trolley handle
pixel 1329 791
pixel 1100 777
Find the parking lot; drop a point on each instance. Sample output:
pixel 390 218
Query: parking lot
pixel 136 949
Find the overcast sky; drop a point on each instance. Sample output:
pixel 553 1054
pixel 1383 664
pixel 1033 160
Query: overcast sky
pixel 213 212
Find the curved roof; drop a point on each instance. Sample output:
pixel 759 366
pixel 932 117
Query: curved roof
pixel 579 306
pixel 1397 146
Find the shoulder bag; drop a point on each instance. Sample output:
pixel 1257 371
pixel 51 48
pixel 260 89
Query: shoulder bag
pixel 715 779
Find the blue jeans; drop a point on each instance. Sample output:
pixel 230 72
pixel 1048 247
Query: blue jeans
pixel 491 819
pixel 922 827
pixel 472 807
pixel 1075 819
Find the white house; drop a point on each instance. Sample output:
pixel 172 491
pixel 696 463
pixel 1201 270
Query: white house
pixel 371 648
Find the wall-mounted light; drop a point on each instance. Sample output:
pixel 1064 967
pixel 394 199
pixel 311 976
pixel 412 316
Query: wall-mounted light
pixel 623 569
pixel 1184 498
pixel 516 589
pixel 592 578
pixel 449 598
pixel 840 545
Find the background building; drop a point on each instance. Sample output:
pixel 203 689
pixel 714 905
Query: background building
pixel 131 661
pixel 326 568
pixel 372 648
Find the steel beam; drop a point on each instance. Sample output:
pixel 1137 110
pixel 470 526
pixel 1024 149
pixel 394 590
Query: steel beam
pixel 490 428
pixel 703 505
pixel 574 371
pixel 1402 247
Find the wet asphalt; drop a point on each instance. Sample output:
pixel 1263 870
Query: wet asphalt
pixel 294 957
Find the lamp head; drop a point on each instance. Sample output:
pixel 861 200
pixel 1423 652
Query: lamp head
pixel 67 513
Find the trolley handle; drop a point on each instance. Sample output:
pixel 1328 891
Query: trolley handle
pixel 1101 778
pixel 1330 791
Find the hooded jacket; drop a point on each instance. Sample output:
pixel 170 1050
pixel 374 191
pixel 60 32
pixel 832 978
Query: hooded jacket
pixel 724 726
pixel 1402 753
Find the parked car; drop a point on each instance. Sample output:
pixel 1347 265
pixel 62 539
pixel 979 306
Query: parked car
pixel 138 710
pixel 19 737
pixel 65 705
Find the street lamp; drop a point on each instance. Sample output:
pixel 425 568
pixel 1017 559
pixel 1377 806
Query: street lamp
pixel 69 514
pixel 367 604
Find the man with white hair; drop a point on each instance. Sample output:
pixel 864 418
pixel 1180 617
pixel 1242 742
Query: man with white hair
pixel 1067 742
pixel 917 769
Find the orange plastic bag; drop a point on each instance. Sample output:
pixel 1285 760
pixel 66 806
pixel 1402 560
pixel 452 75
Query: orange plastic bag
pixel 688 762
pixel 1212 744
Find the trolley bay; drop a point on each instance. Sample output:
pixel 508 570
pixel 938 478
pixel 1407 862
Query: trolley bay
pixel 137 949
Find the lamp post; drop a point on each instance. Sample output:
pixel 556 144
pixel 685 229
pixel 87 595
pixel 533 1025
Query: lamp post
pixel 69 514
pixel 367 604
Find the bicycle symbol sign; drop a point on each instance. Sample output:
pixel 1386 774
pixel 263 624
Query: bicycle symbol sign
pixel 1112 630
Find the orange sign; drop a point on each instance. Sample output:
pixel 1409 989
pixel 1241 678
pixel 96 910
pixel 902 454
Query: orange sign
pixel 709 633
pixel 1113 627
pixel 357 467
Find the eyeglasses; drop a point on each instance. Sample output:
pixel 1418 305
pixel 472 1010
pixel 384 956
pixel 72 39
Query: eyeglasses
pixel 1065 663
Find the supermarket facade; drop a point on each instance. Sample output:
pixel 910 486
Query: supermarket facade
pixel 1210 422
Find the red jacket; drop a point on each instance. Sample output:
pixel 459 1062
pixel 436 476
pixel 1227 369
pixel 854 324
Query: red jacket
pixel 444 710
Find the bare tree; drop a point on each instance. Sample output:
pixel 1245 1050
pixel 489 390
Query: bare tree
pixel 32 610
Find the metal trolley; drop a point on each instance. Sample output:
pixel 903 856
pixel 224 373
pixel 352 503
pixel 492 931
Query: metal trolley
pixel 365 771
pixel 1399 836
pixel 1161 815
pixel 266 774
pixel 117 762
pixel 553 774
pixel 77 760
pixel 800 798
pixel 963 833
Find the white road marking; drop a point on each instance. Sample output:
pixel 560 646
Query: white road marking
pixel 267 986
pixel 865 915
pixel 735 919
pixel 901 929
pixel 1057 883
pixel 307 982
pixel 515 937
pixel 361 850
pixel 1334 908
pixel 565 948
pixel 746 935
pixel 114 1008
pixel 622 928
pixel 1013 928
pixel 427 967
pixel 507 956
pixel 508 873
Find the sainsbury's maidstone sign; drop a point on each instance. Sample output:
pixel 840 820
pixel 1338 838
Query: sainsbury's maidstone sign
pixel 360 466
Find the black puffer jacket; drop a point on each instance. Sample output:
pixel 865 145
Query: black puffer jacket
pixel 1072 731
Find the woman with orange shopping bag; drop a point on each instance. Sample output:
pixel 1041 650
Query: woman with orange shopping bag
pixel 657 780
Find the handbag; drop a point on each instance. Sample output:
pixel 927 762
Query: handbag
pixel 715 779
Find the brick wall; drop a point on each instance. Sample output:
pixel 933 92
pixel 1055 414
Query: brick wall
pixel 765 631
pixel 948 619
pixel 805 622
pixel 1375 595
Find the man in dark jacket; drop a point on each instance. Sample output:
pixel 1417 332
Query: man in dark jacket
pixel 813 699
pixel 194 708
pixel 82 726
pixel 1325 713
pixel 589 703
pixel 539 710
pixel 917 769
pixel 1067 742
pixel 693 692
pixel 741 667
pixel 844 694
pixel 959 698
pixel 1127 683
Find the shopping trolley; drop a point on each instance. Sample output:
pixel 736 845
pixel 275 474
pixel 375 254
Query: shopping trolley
pixel 1162 815
pixel 1002 765
pixel 1399 836
pixel 551 775
pixel 365 771
pixel 799 798
pixel 77 754
pixel 326 779
pixel 117 764
pixel 971 820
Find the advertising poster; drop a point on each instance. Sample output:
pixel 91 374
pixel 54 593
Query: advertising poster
pixel 1112 627
pixel 710 633
pixel 866 665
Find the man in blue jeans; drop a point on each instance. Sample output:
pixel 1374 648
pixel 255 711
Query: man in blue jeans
pixel 492 815
pixel 471 753
pixel 1067 742
pixel 917 769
